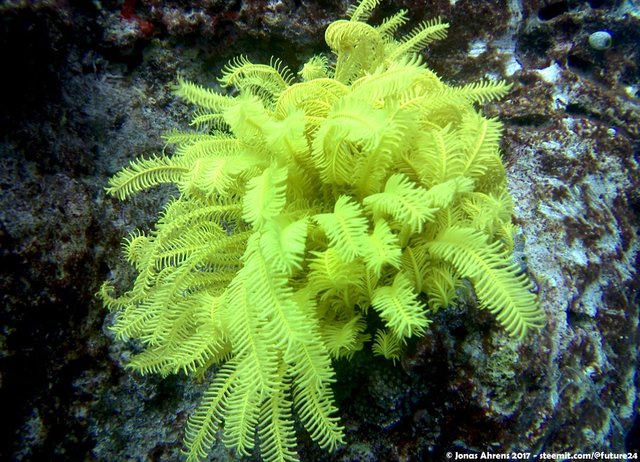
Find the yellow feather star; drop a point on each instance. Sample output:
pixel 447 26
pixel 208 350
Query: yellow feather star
pixel 368 183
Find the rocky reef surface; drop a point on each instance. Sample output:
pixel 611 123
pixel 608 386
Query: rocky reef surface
pixel 90 89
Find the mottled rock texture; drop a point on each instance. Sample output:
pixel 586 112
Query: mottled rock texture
pixel 89 89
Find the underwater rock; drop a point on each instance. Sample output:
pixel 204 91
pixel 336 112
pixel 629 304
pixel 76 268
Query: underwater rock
pixel 102 97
